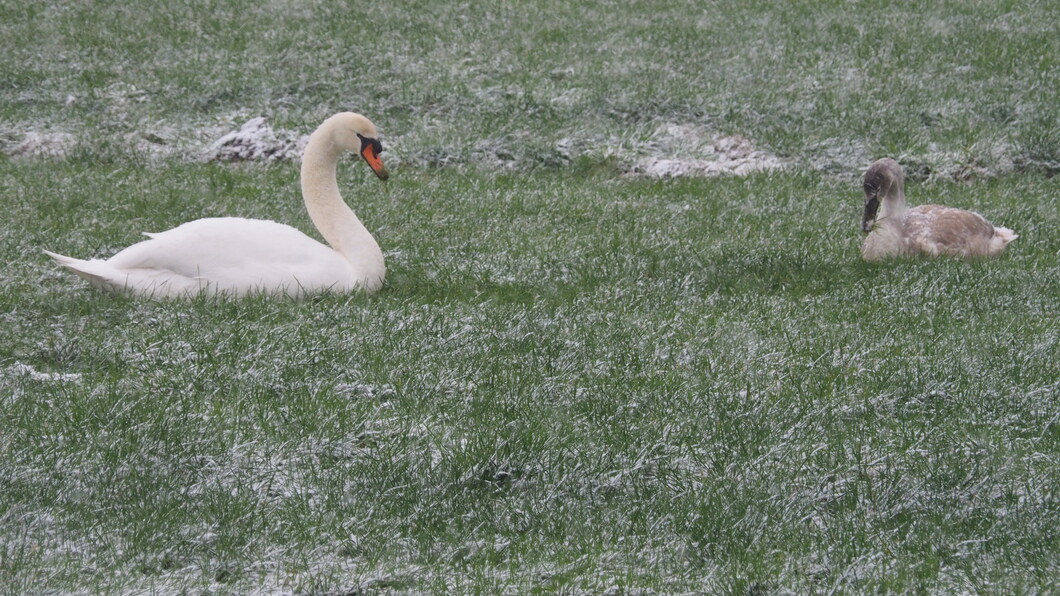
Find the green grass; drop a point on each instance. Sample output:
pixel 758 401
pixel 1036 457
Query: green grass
pixel 574 380
pixel 945 86
pixel 568 384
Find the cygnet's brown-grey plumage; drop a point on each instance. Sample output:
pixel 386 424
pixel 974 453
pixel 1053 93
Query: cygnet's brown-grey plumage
pixel 895 230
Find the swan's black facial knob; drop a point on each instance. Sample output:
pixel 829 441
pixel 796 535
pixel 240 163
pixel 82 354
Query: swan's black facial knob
pixel 370 150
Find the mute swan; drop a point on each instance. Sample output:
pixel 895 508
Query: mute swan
pixel 235 256
pixel 927 230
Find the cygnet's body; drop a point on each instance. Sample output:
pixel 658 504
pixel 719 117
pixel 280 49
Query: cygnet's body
pixel 234 256
pixel 895 230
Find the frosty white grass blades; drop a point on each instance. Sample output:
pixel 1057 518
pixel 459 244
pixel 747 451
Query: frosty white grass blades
pixel 576 380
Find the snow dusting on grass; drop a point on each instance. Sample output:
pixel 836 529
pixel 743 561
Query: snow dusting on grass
pixel 257 141
pixel 692 151
pixel 674 151
pixel 38 144
pixel 19 369
pixel 568 384
pixel 615 353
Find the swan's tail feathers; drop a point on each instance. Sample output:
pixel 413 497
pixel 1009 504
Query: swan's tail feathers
pixel 96 272
pixel 1001 238
pixel 1006 235
pixel 144 282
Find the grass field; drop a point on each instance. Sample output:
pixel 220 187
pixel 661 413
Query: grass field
pixel 577 379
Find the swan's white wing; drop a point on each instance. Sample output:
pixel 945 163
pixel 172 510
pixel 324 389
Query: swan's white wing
pixel 236 255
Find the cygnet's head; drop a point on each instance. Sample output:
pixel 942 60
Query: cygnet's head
pixel 354 132
pixel 881 179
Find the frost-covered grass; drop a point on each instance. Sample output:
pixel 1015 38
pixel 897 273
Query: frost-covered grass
pixel 569 383
pixel 575 380
pixel 955 88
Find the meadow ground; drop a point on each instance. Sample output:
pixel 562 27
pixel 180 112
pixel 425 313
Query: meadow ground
pixel 578 378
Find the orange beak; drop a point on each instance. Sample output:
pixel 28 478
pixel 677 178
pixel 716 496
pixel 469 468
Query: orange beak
pixel 374 162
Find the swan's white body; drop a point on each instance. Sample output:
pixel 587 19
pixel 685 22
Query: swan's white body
pixel 235 256
pixel 895 230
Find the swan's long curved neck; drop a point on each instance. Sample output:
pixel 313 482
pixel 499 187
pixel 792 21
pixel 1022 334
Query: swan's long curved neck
pixel 893 206
pixel 337 223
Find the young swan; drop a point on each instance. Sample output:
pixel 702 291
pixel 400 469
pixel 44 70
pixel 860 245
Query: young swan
pixel 894 230
pixel 234 256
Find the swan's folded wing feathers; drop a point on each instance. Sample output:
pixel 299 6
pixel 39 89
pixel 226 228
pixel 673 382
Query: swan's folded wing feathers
pixel 237 253
pixel 934 229
pixel 193 248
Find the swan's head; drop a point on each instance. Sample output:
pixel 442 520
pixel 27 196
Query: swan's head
pixel 354 132
pixel 881 179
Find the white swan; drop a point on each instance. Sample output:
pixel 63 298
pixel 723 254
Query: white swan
pixel 895 230
pixel 235 256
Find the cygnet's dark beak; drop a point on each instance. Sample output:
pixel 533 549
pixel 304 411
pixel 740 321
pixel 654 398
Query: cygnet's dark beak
pixel 872 205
